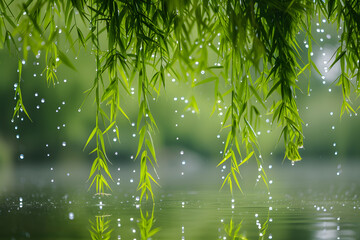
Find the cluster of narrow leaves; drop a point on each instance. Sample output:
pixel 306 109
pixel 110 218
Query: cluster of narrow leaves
pixel 100 229
pixel 254 45
pixel 233 231
pixel 348 54
pixel 147 231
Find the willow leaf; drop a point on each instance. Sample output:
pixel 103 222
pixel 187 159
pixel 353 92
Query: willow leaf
pixel 90 137
pixel 109 127
pixel 207 80
pixel 246 159
pixel 229 154
pixel 225 180
pixel 141 140
pixel 123 113
pixel 338 58
pixel 235 179
pixel 149 175
pixel 93 168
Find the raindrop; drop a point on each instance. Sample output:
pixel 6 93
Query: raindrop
pixel 63 144
pixel 42 100
pixel 21 156
pixel 71 216
pixel 181 152
pixel 183 162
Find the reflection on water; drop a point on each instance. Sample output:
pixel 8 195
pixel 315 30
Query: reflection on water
pixel 100 228
pixel 300 208
pixel 146 224
pixel 233 231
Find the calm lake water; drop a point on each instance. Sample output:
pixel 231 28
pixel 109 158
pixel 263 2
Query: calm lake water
pixel 305 202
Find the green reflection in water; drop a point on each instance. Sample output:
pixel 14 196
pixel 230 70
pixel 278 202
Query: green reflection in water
pixel 233 231
pixel 100 228
pixel 146 224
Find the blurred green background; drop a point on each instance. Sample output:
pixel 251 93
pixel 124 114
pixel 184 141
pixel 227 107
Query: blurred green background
pixel 58 130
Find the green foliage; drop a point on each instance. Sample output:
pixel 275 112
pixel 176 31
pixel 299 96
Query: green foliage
pixel 146 225
pixel 100 228
pixel 233 231
pixel 254 43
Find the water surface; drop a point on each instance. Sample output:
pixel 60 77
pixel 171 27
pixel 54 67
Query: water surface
pixel 301 204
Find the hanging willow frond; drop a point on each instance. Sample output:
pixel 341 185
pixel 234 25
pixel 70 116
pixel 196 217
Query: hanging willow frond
pixel 253 43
